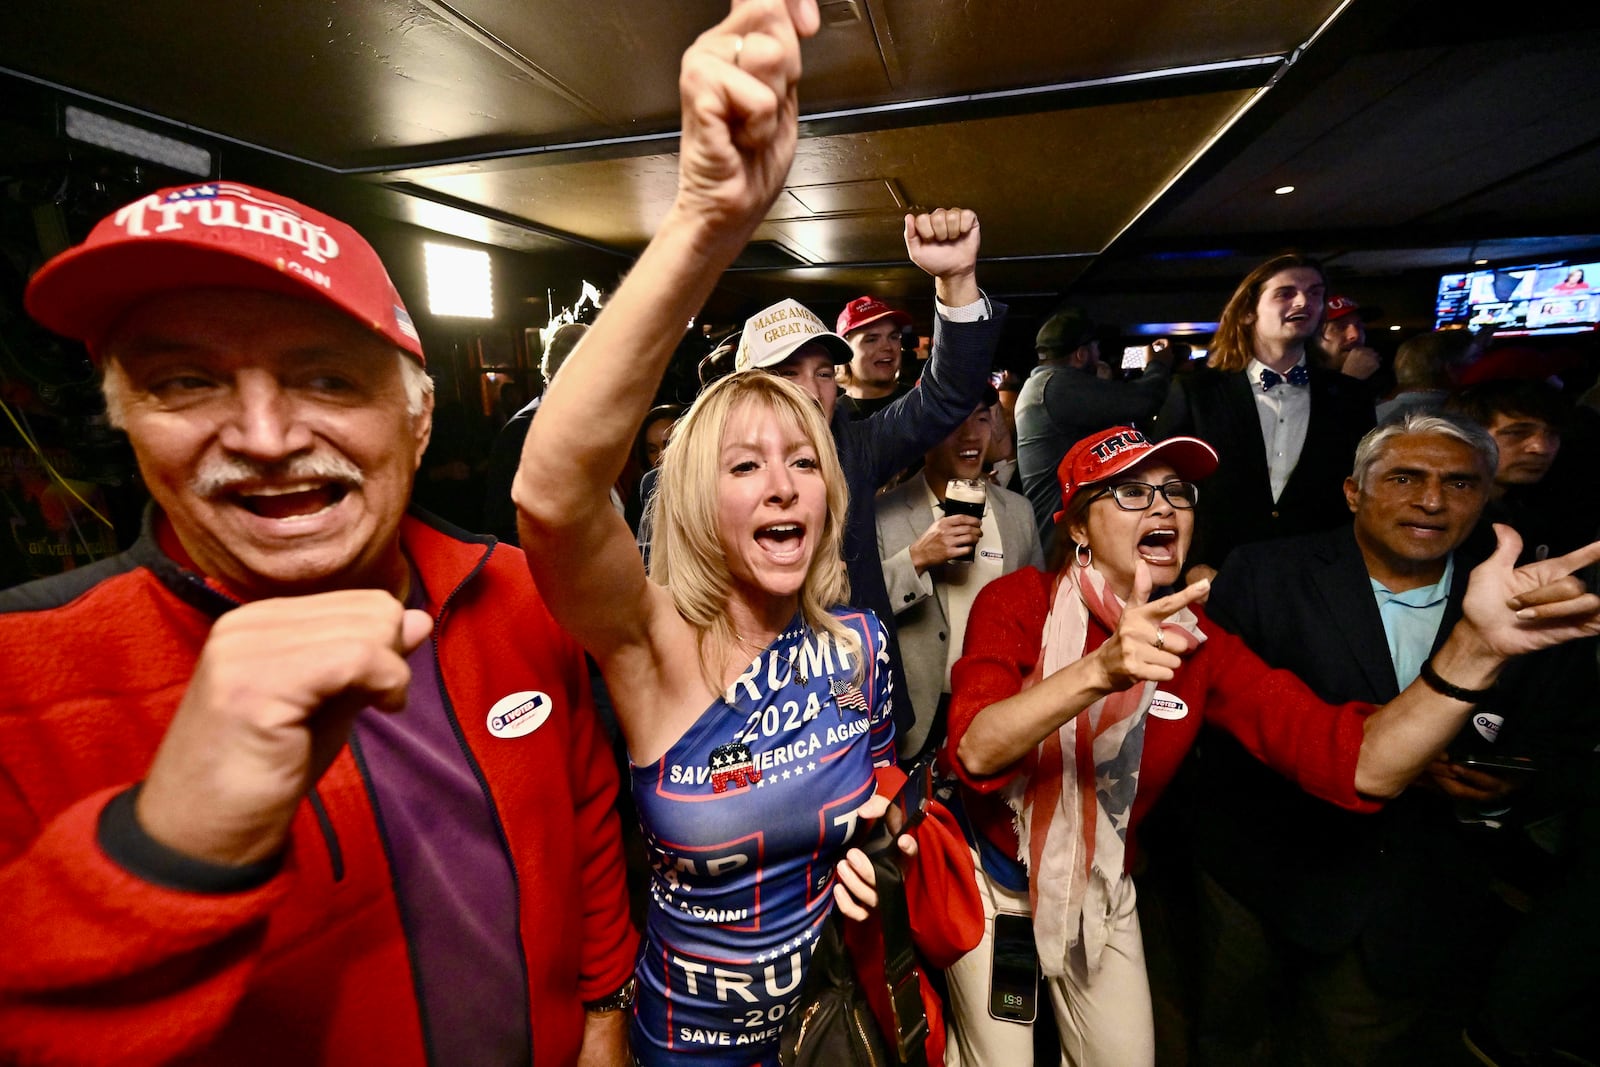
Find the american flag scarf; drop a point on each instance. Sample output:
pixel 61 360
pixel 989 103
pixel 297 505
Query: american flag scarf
pixel 1075 797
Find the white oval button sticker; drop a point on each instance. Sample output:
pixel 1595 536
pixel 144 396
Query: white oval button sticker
pixel 519 714
pixel 1167 706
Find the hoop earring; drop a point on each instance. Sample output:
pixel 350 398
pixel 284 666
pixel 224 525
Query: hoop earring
pixel 1082 554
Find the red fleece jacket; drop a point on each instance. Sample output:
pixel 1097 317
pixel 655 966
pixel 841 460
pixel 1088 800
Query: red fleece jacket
pixel 1272 712
pixel 101 966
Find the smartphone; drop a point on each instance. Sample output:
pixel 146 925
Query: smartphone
pixel 1498 764
pixel 1014 971
pixel 909 805
pixel 1134 357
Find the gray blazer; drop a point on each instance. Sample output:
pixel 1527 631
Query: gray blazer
pixel 919 601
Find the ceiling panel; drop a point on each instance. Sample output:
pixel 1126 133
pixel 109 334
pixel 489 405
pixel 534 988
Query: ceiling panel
pixel 556 122
pixel 352 84
pixel 1119 156
pixel 322 81
pixel 1001 43
pixel 1393 137
pixel 623 55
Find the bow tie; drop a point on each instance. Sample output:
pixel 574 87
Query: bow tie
pixel 1297 376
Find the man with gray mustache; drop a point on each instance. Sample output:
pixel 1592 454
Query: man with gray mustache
pixel 302 777
pixel 229 474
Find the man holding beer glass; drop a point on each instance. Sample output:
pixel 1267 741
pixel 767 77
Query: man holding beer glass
pixel 942 536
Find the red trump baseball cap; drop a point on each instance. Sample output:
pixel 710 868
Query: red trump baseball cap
pixel 216 235
pixel 1339 307
pixel 1106 454
pixel 864 311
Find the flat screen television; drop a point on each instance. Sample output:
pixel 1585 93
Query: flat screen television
pixel 1544 298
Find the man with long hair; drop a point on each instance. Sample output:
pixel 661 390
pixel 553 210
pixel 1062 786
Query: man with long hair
pixel 1285 430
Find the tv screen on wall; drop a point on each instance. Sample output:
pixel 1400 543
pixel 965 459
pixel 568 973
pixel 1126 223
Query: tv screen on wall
pixel 1544 298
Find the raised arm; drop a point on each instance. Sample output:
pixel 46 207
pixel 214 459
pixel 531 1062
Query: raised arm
pixel 1508 611
pixel 944 244
pixel 738 92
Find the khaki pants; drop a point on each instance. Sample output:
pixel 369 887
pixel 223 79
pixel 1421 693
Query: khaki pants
pixel 1104 1020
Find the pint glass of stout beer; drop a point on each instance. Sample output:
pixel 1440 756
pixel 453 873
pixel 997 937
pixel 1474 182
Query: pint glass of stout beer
pixel 965 497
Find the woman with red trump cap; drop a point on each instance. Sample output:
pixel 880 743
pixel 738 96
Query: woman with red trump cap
pixel 1078 696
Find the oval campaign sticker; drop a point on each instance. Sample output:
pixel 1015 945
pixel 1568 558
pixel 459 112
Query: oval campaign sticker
pixel 1167 706
pixel 1488 724
pixel 519 714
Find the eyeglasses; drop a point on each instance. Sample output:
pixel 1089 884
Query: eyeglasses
pixel 1136 496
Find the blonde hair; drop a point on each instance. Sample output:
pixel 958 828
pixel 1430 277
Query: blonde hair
pixel 1234 345
pixel 686 553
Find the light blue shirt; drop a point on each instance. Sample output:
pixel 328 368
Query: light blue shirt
pixel 1411 621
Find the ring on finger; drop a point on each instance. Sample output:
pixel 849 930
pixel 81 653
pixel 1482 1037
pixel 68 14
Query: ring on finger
pixel 1161 641
pixel 738 48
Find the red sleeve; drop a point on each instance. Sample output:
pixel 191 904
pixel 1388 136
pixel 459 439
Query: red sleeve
pixel 97 959
pixel 1004 630
pixel 609 942
pixel 1282 723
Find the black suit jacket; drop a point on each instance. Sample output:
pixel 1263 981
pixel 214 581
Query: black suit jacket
pixel 1236 505
pixel 1406 880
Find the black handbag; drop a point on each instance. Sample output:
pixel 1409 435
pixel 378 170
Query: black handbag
pixel 834 1025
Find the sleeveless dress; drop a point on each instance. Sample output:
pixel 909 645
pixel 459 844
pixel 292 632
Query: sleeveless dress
pixel 745 818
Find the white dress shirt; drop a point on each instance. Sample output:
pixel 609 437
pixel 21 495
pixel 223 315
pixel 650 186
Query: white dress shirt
pixel 962 581
pixel 1284 411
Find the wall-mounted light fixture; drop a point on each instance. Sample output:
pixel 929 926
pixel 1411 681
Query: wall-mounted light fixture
pixel 104 132
pixel 459 281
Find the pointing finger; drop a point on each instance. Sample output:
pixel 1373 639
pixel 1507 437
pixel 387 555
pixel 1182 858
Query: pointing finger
pixel 1551 570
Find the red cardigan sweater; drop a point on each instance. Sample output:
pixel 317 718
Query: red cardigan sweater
pixel 1271 712
pixel 311 967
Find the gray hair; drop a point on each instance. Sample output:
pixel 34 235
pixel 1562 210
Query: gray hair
pixel 1423 423
pixel 413 376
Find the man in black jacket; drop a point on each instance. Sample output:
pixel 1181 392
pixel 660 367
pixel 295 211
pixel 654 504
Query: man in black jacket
pixel 1283 429
pixel 1331 930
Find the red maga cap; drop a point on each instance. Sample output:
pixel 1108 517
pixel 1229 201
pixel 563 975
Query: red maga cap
pixel 1108 453
pixel 864 311
pixel 216 235
pixel 1338 307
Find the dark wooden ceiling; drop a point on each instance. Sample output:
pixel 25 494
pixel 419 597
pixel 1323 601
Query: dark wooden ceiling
pixel 1125 150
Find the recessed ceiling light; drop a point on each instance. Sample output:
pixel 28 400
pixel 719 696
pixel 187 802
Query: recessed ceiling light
pixel 1394 328
pixel 1479 262
pixel 1282 189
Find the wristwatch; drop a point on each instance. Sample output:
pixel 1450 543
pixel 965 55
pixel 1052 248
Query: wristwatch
pixel 622 998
